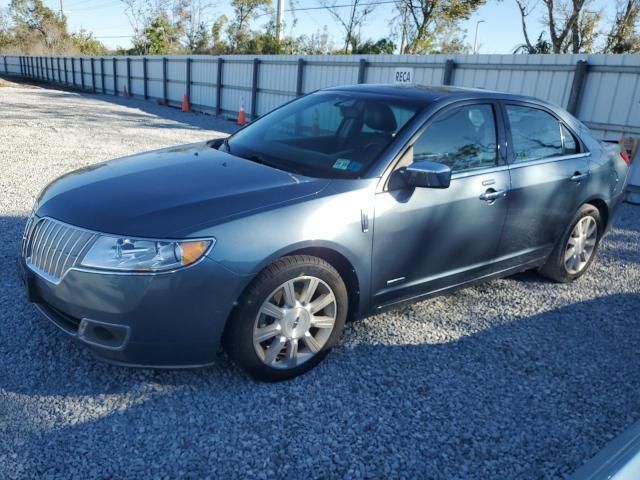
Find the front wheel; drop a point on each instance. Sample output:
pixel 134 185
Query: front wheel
pixel 577 248
pixel 288 319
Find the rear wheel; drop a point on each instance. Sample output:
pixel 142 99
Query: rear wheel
pixel 289 318
pixel 577 248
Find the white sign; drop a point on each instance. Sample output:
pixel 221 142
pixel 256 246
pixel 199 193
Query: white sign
pixel 403 76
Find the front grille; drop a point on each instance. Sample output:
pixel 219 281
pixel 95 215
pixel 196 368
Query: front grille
pixel 51 248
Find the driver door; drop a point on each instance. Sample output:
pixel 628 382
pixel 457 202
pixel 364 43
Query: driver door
pixel 428 239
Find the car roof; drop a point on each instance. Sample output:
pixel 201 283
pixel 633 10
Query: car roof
pixel 429 94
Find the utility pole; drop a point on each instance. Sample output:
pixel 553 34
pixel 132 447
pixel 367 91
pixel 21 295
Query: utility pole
pixel 403 38
pixel 475 41
pixel 279 19
pixel 61 9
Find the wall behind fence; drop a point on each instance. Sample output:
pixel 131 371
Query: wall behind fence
pixel 602 90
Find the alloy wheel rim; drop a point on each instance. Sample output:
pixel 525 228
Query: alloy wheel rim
pixel 295 322
pixel 581 244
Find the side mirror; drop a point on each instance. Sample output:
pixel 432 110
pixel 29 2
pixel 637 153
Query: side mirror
pixel 427 174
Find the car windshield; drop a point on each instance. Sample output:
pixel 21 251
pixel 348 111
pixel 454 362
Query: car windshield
pixel 326 134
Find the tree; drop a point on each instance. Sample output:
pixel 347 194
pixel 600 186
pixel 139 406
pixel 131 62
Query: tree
pixel 85 44
pixel 219 46
pixel 350 20
pixel 571 27
pixel 428 24
pixel 541 46
pixel 239 31
pixel 159 37
pixel 37 24
pixel 382 46
pixel 623 36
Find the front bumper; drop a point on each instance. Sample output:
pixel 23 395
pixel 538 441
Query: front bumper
pixel 153 320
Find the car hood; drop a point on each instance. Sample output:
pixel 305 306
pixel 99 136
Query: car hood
pixel 169 192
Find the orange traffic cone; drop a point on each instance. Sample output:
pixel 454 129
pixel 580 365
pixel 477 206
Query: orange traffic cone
pixel 124 91
pixel 242 115
pixel 185 103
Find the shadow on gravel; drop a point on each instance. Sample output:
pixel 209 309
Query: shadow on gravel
pixel 527 399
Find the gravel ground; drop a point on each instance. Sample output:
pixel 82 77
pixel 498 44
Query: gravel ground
pixel 517 378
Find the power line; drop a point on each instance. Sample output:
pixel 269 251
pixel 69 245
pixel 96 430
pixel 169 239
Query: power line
pixel 345 5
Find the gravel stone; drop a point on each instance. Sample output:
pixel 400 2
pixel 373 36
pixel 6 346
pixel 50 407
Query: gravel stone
pixel 516 378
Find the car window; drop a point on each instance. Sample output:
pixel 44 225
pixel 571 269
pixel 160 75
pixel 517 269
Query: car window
pixel 570 144
pixel 323 119
pixel 463 138
pixel 535 134
pixel 325 134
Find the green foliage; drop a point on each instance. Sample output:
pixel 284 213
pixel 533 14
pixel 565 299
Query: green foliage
pixel 382 46
pixel 430 23
pixel 87 45
pixel 239 31
pixel 623 36
pixel 541 46
pixel 30 27
pixel 159 37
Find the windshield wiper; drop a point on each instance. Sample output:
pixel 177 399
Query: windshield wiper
pixel 254 157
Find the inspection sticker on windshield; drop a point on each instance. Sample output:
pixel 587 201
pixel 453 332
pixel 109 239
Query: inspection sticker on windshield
pixel 341 164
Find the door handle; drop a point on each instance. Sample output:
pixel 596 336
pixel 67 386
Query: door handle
pixel 578 177
pixel 492 195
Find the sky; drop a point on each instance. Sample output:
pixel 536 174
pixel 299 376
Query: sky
pixel 500 32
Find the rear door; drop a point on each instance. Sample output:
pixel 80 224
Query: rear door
pixel 549 168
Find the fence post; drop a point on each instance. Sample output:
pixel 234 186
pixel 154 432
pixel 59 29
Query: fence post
pixel 129 76
pixel 115 77
pixel 300 78
pixel 188 86
pixel 6 69
pixel 21 67
pixel 144 78
pixel 219 87
pixel 66 75
pixel 254 88
pixel 579 78
pixel 164 80
pixel 73 71
pixel 59 70
pixel 93 76
pixel 362 69
pixel 82 72
pixel 447 75
pixel 104 90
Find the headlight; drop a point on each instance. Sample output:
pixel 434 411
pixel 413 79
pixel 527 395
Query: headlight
pixel 144 255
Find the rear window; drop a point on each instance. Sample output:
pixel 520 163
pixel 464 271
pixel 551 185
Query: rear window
pixel 535 134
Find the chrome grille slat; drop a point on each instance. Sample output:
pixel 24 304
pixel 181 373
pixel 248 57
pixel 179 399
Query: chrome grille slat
pixel 36 249
pixel 57 238
pixel 68 236
pixel 77 236
pixel 51 247
pixel 28 228
pixel 49 241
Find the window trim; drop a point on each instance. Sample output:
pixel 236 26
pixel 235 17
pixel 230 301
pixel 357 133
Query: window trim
pixel 501 157
pixel 584 151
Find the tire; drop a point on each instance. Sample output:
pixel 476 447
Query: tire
pixel 273 340
pixel 563 267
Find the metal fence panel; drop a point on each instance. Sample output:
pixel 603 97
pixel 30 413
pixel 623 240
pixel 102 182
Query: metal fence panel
pixel 607 102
